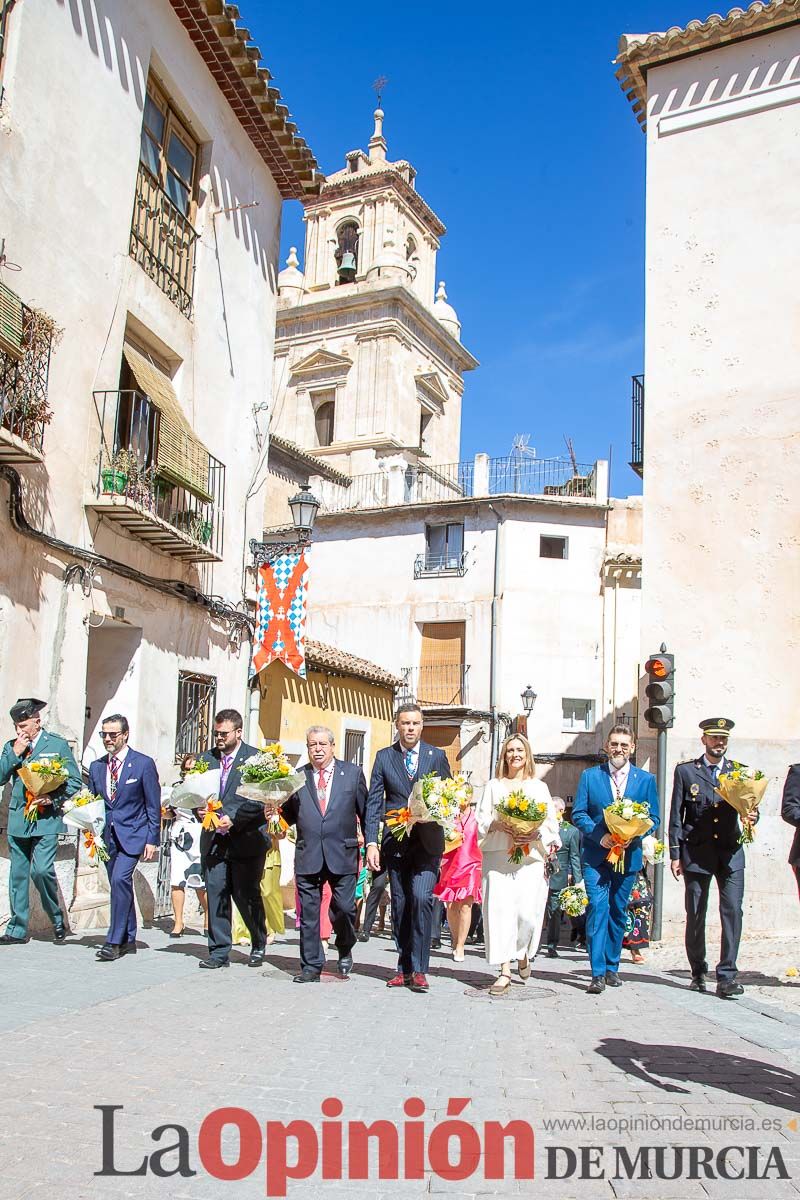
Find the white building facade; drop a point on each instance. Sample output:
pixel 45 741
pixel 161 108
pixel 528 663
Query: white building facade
pixel 720 454
pixel 140 210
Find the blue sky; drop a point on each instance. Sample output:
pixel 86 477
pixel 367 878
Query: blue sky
pixel 527 149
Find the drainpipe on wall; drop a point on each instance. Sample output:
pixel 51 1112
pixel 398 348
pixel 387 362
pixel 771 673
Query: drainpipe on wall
pixel 493 642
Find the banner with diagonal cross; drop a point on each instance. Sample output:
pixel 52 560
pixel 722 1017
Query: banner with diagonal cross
pixel 281 614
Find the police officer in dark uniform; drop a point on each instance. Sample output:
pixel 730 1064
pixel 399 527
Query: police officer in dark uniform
pixel 704 836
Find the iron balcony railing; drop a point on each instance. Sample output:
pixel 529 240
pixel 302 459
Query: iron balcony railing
pixel 637 424
pixel 441 685
pixel 129 467
pixel 440 564
pixel 163 241
pixel 418 484
pixel 24 405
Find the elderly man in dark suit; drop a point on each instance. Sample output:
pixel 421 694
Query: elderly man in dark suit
pixel 413 863
pixel 566 871
pixel 704 845
pixel 790 811
pixel 326 811
pixel 128 782
pixel 32 845
pixel 233 855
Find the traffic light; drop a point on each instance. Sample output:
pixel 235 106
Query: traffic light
pixel 660 691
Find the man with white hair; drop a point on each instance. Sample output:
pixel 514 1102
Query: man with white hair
pixel 326 812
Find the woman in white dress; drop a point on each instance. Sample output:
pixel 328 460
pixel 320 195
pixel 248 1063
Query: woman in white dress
pixel 514 894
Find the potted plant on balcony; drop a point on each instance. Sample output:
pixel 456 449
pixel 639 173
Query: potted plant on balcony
pixel 121 470
pixel 195 525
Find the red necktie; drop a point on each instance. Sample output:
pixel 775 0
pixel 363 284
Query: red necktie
pixel 323 799
pixel 113 766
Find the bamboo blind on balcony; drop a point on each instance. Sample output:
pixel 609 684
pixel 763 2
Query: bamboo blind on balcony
pixel 180 455
pixel 10 322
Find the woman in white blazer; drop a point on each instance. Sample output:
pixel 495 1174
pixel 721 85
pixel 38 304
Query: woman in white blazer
pixel 514 894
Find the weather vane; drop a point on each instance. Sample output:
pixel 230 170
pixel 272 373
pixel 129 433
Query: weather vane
pixel 379 84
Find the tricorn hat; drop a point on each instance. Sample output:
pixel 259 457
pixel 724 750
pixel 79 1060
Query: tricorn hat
pixel 23 710
pixel 717 726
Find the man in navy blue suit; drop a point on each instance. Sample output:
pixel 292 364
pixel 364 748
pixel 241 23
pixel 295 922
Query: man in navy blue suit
pixel 413 863
pixel 128 782
pixel 326 811
pixel 608 890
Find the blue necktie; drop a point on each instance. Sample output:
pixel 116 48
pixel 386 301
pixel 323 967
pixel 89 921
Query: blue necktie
pixel 410 764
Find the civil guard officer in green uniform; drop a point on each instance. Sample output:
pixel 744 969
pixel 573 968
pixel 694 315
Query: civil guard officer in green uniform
pixel 32 845
pixel 704 844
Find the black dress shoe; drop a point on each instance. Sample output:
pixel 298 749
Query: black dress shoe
pixel 256 958
pixel 726 991
pixel 552 952
pixel 363 937
pixel 436 944
pixel 5 940
pixel 597 985
pixel 307 976
pixel 127 948
pixel 345 965
pixel 613 979
pixel 698 983
pixel 107 953
pixel 60 934
pixel 212 964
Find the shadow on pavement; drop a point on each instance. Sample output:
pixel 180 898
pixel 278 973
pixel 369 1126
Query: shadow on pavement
pixel 759 1081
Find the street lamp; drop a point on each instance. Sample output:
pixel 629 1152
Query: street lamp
pixel 304 507
pixel 528 699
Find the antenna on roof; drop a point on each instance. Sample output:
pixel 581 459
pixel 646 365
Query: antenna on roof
pixel 520 446
pixel 571 451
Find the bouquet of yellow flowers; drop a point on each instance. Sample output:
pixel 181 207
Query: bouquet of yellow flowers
pixel 435 800
pixel 87 812
pixel 41 776
pixel 199 786
pixel 625 820
pixel 573 900
pixel 521 817
pixel 743 788
pixel 268 776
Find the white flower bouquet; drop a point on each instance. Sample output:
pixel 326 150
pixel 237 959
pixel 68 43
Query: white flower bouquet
pixel 86 812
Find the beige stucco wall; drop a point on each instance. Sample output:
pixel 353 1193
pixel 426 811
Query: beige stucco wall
pixel 721 452
pixel 70 152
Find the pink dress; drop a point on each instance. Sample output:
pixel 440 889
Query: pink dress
pixel 460 875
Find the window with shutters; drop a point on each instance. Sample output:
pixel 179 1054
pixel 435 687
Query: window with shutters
pixel 577 716
pixel 442 671
pixel 196 703
pixel 163 237
pixel 444 551
pixel 354 746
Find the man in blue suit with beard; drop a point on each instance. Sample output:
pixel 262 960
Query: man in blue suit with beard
pixel 608 890
pixel 128 782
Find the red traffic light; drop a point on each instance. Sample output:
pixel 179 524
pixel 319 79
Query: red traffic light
pixel 659 668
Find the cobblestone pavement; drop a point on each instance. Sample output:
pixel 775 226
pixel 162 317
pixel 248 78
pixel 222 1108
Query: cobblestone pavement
pixel 169 1044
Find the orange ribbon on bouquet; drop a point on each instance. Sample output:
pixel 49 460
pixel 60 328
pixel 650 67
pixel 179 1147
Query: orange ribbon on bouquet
pixel 89 843
pixel 31 809
pixel 397 819
pixel 210 818
pixel 616 854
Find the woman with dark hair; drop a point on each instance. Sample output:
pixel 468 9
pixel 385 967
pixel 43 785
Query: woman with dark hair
pixel 184 859
pixel 514 893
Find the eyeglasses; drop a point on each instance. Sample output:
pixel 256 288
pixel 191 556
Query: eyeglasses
pixel 224 733
pixel 112 734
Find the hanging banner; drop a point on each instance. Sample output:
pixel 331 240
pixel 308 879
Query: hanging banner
pixel 281 614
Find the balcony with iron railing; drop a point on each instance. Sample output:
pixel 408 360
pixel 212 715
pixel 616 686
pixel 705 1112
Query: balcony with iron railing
pixel 24 377
pixel 440 685
pixel 545 478
pixel 637 424
pixel 433 565
pixel 138 488
pixel 163 241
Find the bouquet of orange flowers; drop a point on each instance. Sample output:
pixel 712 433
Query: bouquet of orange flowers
pixel 521 817
pixel 435 800
pixel 743 788
pixel 625 820
pixel 41 776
